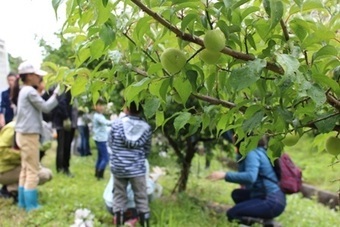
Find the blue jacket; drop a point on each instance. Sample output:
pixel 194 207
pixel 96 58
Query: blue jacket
pixel 5 106
pixel 255 165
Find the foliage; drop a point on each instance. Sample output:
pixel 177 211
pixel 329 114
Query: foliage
pixel 275 75
pixel 14 62
pixel 276 69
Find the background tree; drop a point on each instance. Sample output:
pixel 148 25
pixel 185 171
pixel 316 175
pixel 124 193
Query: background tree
pixel 14 62
pixel 274 74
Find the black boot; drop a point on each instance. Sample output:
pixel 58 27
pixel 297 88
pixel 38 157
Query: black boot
pixel 100 174
pixel 144 219
pixel 119 216
pixel 96 173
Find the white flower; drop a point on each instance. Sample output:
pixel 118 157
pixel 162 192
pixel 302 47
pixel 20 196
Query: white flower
pixel 83 218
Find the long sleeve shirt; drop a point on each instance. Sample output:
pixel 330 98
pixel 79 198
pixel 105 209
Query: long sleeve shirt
pixel 5 106
pixel 130 143
pixel 251 171
pixel 30 108
pixel 100 124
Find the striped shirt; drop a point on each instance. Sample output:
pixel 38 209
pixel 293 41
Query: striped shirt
pixel 130 143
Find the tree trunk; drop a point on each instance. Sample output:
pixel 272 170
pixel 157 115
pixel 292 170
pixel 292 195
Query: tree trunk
pixel 186 165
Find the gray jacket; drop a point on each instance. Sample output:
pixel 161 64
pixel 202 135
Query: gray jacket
pixel 30 108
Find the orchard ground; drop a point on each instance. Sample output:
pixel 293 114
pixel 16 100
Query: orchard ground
pixel 61 197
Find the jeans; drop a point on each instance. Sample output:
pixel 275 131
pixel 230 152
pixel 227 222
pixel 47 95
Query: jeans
pixel 84 146
pixel 265 208
pixel 103 155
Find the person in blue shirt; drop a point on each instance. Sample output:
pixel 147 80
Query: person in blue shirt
pixel 100 135
pixel 259 199
pixel 6 106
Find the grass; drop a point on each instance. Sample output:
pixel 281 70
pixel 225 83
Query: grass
pixel 62 196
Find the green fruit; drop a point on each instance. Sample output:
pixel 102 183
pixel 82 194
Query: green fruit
pixel 209 57
pixel 214 40
pixel 173 60
pixel 291 139
pixel 333 145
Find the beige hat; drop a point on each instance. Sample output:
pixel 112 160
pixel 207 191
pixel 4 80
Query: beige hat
pixel 27 67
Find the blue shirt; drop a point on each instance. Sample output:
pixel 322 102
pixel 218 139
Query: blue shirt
pixel 255 165
pixel 100 125
pixel 5 106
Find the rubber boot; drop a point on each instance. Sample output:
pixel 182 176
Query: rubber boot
pixel 119 216
pixel 31 199
pixel 100 174
pixel 21 197
pixel 144 219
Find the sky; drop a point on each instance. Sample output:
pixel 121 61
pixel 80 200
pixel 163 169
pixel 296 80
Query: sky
pixel 24 22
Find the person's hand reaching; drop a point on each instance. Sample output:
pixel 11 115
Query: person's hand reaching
pixel 56 91
pixel 217 175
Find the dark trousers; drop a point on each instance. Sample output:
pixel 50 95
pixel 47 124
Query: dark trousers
pixel 84 146
pixel 64 140
pixel 265 208
pixel 103 155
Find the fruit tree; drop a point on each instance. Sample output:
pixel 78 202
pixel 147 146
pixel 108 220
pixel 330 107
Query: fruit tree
pixel 277 73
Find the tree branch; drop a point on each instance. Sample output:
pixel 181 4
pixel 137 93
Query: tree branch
pixel 333 101
pixel 215 101
pixel 284 29
pixel 188 37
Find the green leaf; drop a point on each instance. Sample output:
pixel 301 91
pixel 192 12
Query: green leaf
pixel 56 4
pixel 181 120
pixel 317 94
pixel 105 2
pixel 276 12
pixel 288 63
pixel 83 54
pixel 300 28
pixel 190 18
pixel 159 118
pixel 159 88
pixel 241 78
pixel 135 89
pixel 326 81
pixel 262 28
pixel 96 49
pixel 107 35
pixel 328 123
pixel 183 87
pixel 253 122
pixel 192 77
pixel 151 106
pixel 249 10
pixel 79 85
pixel 325 51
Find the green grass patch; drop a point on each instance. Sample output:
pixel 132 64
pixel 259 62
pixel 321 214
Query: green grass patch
pixel 62 196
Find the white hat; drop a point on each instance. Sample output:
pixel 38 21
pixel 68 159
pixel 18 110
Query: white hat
pixel 27 67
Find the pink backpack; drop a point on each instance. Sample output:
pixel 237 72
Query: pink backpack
pixel 289 175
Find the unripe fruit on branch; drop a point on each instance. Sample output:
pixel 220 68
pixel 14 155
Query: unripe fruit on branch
pixel 214 40
pixel 333 145
pixel 209 57
pixel 291 139
pixel 173 60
